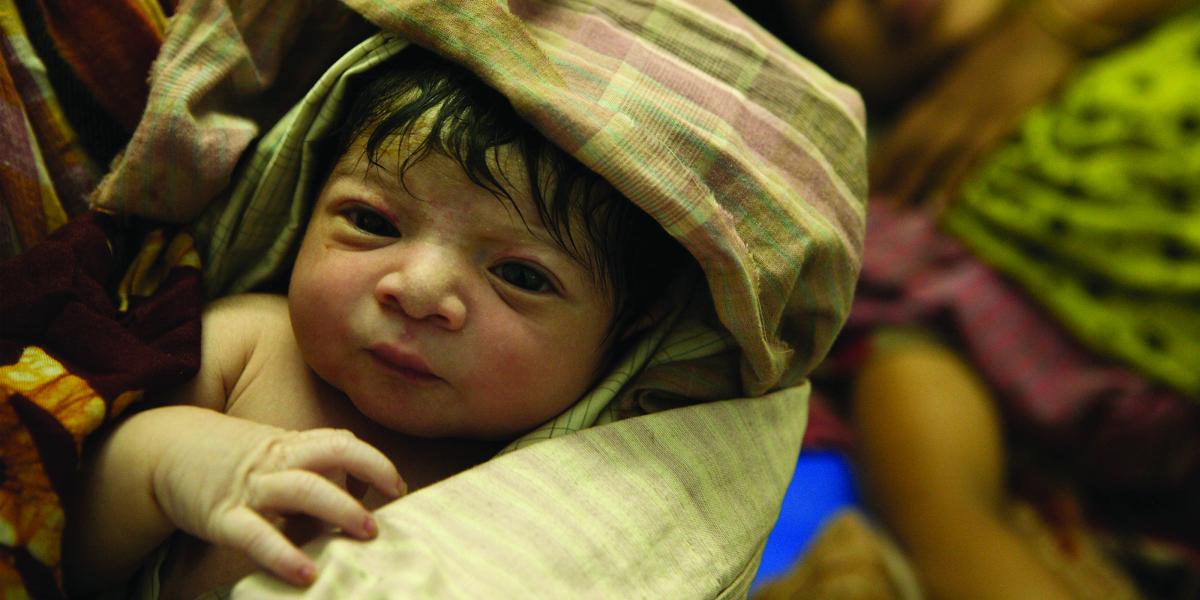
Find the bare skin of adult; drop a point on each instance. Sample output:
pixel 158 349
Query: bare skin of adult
pixel 932 456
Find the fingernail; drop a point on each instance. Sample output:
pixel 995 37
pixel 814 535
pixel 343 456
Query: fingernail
pixel 307 573
pixel 401 488
pixel 370 527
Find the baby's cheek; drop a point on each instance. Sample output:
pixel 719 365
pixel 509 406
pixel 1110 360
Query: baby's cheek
pixel 507 363
pixel 318 307
pixel 335 271
pixel 515 380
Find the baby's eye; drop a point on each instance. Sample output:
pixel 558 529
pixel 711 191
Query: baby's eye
pixel 371 222
pixel 523 276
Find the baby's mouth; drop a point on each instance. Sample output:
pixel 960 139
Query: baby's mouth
pixel 407 365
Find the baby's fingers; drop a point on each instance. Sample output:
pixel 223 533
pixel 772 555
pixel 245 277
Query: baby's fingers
pixel 306 492
pixel 328 450
pixel 249 532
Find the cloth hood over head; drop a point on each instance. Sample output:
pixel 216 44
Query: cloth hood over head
pixel 752 158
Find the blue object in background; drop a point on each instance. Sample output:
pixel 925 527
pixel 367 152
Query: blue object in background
pixel 822 484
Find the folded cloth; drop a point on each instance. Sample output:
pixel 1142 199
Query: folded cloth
pixel 72 87
pixel 1114 428
pixel 1126 444
pixel 73 358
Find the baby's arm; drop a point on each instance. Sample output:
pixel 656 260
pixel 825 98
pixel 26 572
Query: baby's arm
pixel 215 476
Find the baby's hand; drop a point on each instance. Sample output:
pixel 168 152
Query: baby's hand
pixel 231 478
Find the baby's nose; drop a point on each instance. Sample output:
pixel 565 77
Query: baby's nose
pixel 425 288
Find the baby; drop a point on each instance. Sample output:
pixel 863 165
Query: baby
pixel 461 281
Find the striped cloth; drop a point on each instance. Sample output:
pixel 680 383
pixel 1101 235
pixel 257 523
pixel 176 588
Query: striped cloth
pixel 749 155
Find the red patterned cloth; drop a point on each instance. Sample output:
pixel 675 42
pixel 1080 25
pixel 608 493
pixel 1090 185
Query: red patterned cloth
pixel 110 45
pixel 72 86
pixel 78 343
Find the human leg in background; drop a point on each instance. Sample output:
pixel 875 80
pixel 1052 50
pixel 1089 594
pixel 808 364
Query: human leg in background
pixel 933 464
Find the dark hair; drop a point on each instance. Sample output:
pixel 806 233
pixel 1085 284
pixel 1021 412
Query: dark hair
pixel 628 253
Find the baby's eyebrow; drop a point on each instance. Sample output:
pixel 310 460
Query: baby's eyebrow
pixel 536 234
pixel 523 227
pixel 518 232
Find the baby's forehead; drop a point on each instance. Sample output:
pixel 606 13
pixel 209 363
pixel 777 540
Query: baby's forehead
pixel 402 150
pixel 398 159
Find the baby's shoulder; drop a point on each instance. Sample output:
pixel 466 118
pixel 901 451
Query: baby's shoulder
pixel 246 306
pixel 237 328
pixel 264 372
pixel 236 332
pixel 251 315
pixel 249 339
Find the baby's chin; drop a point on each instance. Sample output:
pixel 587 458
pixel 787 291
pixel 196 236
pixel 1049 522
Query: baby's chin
pixel 410 417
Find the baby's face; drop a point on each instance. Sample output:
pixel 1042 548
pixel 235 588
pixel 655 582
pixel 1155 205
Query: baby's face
pixel 435 309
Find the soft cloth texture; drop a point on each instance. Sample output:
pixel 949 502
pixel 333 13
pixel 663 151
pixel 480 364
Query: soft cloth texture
pixel 72 87
pixel 750 156
pixel 1124 443
pixel 1115 428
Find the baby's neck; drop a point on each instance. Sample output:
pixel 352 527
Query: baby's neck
pixel 420 461
pixel 423 461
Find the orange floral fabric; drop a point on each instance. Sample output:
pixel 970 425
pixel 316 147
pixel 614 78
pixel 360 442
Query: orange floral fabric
pixel 72 357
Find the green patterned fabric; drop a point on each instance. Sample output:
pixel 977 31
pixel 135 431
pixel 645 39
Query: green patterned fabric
pixel 1094 207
